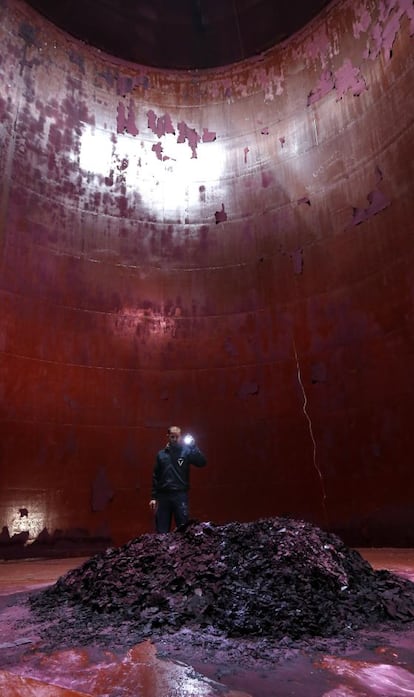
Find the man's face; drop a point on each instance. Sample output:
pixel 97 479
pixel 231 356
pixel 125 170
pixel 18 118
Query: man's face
pixel 174 436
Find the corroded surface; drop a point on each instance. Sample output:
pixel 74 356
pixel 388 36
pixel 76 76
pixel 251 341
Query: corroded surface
pixel 228 249
pixel 378 663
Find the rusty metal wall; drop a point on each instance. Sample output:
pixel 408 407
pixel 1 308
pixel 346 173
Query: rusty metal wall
pixel 229 250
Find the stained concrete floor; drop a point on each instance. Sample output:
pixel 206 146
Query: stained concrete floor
pixel 380 665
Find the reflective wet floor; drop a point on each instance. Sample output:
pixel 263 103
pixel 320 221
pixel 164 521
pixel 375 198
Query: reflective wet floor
pixel 382 666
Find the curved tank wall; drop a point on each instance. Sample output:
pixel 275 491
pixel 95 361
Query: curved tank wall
pixel 229 250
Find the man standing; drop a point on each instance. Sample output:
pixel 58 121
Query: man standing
pixel 171 480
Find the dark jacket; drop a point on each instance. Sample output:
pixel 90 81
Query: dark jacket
pixel 172 468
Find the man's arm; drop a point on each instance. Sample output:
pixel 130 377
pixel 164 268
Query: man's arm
pixel 196 457
pixel 154 489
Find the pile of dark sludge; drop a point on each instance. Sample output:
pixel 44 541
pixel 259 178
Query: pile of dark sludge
pixel 272 578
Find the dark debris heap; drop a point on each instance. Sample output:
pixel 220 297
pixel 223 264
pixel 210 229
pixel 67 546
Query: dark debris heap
pixel 272 578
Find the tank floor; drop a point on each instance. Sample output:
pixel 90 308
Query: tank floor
pixel 382 664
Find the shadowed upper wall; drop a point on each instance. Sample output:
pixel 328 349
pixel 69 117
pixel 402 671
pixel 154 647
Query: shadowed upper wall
pixel 184 34
pixel 226 249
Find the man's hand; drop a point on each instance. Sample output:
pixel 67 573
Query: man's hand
pixel 153 505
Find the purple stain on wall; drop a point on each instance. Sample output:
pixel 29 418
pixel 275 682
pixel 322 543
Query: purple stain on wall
pixel 349 79
pixel 246 152
pixel 28 33
pixel 297 259
pixel 160 125
pixel 208 136
pixel 265 131
pixel 220 216
pixel 158 149
pixel 126 122
pixel 189 134
pixel 282 141
pixel 102 492
pixel 267 179
pixel 125 85
pixel 318 373
pixel 377 200
pixel 248 389
pixel 77 59
pixel 230 348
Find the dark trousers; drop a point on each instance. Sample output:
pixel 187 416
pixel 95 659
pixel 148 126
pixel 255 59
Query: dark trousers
pixel 172 504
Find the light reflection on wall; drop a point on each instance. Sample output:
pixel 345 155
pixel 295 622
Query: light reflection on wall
pixel 29 519
pixel 151 323
pixel 170 179
pixel 95 151
pixel 164 172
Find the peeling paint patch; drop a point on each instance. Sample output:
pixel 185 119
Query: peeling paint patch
pixel 160 125
pixel 246 152
pixel 265 131
pixel 189 134
pixel 208 136
pixel 304 200
pixel 126 123
pixel 326 84
pixel 362 22
pixel 377 200
pixel 317 47
pixel 384 32
pixel 220 216
pixel 158 149
pixel 348 78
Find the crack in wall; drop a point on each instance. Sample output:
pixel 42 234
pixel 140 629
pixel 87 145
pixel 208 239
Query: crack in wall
pixel 309 420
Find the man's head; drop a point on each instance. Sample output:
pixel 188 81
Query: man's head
pixel 174 435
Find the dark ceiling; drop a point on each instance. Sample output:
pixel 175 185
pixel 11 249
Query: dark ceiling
pixel 181 34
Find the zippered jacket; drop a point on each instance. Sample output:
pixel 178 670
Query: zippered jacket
pixel 172 468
